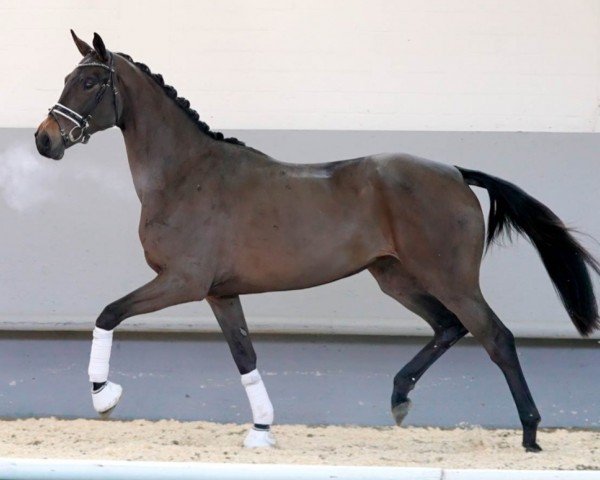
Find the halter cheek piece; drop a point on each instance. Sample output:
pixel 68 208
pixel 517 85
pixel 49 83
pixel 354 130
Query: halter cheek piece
pixel 79 133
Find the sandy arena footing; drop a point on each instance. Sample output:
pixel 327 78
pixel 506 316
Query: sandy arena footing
pixel 169 440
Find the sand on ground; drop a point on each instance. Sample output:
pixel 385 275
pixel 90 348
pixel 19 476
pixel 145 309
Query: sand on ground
pixel 170 440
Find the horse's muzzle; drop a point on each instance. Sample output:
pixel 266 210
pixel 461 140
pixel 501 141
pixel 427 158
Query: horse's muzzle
pixel 49 143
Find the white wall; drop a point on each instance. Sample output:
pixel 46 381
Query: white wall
pixel 510 65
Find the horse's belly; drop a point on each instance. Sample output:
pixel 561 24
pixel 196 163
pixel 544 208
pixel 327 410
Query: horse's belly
pixel 303 232
pixel 280 279
pixel 302 262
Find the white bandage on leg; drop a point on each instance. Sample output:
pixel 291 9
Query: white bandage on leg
pixel 259 439
pixel 100 355
pixel 262 409
pixel 107 397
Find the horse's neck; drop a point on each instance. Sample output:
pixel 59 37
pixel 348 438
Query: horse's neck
pixel 159 138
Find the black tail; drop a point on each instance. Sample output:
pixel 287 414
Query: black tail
pixel 566 261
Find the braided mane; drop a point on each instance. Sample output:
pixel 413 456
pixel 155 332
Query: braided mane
pixel 182 103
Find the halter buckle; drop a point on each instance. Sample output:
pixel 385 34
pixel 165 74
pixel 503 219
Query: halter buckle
pixel 75 139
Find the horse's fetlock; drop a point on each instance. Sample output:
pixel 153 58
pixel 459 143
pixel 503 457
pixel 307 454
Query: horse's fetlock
pixel 400 380
pixel 109 318
pixel 531 420
pixel 404 384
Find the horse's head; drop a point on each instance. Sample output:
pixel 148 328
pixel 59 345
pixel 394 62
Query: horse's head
pixel 88 103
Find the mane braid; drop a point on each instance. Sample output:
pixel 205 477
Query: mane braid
pixel 182 103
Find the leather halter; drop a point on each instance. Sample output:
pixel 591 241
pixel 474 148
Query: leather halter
pixel 79 133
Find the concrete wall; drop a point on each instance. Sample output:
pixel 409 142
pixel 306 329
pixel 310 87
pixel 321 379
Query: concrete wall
pixel 509 65
pixel 341 79
pixel 69 241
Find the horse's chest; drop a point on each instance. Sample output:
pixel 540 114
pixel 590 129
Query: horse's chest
pixel 159 231
pixel 168 235
pixel 153 230
pixel 154 237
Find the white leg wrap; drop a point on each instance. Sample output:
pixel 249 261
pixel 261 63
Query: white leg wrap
pixel 262 409
pixel 259 439
pixel 100 355
pixel 105 399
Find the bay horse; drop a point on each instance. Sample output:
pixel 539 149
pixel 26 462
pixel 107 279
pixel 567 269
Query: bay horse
pixel 220 219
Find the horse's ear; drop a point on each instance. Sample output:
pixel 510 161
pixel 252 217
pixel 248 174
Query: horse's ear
pixel 83 47
pixel 100 48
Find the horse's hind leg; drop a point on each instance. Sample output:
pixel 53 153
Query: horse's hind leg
pixel 477 316
pixel 447 329
pixel 229 314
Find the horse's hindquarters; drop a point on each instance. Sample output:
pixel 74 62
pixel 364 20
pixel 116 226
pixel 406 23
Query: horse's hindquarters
pixel 435 220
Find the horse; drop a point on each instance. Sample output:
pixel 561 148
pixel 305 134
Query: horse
pixel 220 219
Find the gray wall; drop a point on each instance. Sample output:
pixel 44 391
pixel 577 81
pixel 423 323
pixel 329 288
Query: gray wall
pixel 69 238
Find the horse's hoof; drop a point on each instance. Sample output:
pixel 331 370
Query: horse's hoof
pixel 105 400
pixel 106 415
pixel 400 411
pixel 259 439
pixel 533 448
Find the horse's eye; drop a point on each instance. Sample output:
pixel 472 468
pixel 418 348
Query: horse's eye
pixel 89 83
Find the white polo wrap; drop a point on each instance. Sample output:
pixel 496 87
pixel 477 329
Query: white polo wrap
pixel 262 409
pixel 107 397
pixel 100 355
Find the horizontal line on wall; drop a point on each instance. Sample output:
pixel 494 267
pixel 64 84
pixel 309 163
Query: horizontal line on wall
pixel 269 325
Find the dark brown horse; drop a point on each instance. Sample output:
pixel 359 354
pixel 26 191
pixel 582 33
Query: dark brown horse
pixel 220 220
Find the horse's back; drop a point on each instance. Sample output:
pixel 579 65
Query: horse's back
pixel 394 170
pixel 408 168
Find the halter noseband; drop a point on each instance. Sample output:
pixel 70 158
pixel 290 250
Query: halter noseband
pixel 81 122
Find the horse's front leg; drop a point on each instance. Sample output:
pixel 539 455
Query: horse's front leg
pixel 164 291
pixel 230 316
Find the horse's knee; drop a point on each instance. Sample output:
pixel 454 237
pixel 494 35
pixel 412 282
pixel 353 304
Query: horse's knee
pixel 109 318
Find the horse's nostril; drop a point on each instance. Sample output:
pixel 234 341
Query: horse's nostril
pixel 43 142
pixel 36 133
